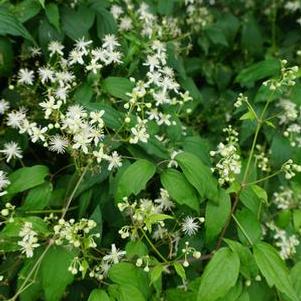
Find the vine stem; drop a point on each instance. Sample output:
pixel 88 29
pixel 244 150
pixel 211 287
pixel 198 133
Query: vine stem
pixel 73 192
pixel 265 178
pixel 242 230
pixel 34 269
pixel 153 246
pixel 260 122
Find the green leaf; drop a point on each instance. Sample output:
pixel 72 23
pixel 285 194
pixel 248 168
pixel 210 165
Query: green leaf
pixel 180 270
pixel 38 197
pixel 76 23
pixel 273 269
pixel 219 276
pixel 42 2
pixel 127 274
pixel 97 217
pixel 118 87
pixel 217 216
pixel 259 71
pixel 10 25
pixel 25 178
pixel 98 295
pixel 106 23
pixel 297 219
pixel 249 224
pixel 134 178
pixel 130 292
pixel 248 266
pixel 26 10
pixel 156 273
pixel 53 15
pixel 135 248
pixel 6 57
pixel 54 271
pixel 198 174
pixel 216 35
pixel 180 189
pixel 296 279
pixel 251 37
pixel 248 116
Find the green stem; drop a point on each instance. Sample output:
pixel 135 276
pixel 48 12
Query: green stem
pixel 73 193
pixel 242 230
pixel 153 246
pixel 265 178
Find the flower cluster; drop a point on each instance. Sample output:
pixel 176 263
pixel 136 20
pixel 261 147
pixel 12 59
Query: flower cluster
pixel 145 214
pixel 230 164
pixel 76 234
pixel 290 168
pixel 285 242
pixel 140 18
pixel 29 240
pixel 262 160
pixel 4 182
pixel 290 119
pixel 149 98
pixel 284 198
pixel 287 78
pixel 198 15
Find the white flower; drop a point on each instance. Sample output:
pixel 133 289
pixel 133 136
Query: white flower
pixel 164 201
pixel 62 93
pixel 38 133
pixel 110 42
pixel 15 118
pixel 46 75
pixel 58 144
pixel 116 11
pixel 96 117
pixel 99 155
pixel 114 161
pixel 115 255
pixel 190 226
pixel 153 62
pixel 11 150
pixel 25 76
pixel 4 106
pixel 139 134
pixel 126 24
pixel 82 45
pixel 29 240
pixel 55 47
pixel 49 106
pixel 94 66
pixel 76 56
pixel 35 51
pixel 4 182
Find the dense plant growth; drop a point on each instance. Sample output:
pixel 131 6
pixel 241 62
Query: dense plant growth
pixel 150 150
